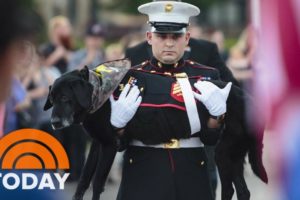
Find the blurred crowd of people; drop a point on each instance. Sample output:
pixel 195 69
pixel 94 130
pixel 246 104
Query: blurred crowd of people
pixel 238 57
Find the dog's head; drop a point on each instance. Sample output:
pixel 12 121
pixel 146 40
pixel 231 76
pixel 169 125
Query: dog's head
pixel 77 93
pixel 70 96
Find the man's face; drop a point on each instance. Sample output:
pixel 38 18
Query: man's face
pixel 93 42
pixel 168 48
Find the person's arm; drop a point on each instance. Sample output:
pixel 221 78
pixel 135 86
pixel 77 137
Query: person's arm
pixel 121 138
pixel 22 99
pixel 59 53
pixel 38 92
pixel 122 111
pixel 211 135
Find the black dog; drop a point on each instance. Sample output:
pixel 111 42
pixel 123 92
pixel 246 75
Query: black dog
pixel 238 140
pixel 71 96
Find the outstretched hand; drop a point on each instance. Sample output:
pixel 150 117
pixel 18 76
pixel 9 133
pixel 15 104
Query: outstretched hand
pixel 213 97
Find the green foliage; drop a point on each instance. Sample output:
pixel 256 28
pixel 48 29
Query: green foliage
pixel 230 42
pixel 130 6
pixel 27 3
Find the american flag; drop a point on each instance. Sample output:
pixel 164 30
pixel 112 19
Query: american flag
pixel 277 81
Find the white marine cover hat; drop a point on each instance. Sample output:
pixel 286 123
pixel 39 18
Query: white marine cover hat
pixel 169 16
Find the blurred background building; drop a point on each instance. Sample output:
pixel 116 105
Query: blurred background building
pixel 121 16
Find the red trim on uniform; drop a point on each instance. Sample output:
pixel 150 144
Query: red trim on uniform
pixel 163 74
pixel 203 67
pixel 196 77
pixel 171 160
pixel 115 97
pixel 151 72
pixel 162 105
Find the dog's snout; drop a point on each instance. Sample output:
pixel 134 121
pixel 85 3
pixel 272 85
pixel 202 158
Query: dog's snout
pixel 56 123
pixel 59 123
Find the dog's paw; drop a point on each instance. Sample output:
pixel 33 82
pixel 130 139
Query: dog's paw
pixel 77 197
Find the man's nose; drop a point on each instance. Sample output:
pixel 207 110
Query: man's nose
pixel 170 42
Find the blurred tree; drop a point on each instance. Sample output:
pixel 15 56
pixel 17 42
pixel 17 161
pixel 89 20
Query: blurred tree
pixel 72 10
pixel 130 6
pixel 94 10
pixel 28 3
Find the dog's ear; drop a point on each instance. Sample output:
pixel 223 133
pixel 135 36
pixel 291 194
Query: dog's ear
pixel 84 73
pixel 83 92
pixel 48 103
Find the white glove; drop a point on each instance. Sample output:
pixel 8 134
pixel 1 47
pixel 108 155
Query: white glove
pixel 212 96
pixel 123 109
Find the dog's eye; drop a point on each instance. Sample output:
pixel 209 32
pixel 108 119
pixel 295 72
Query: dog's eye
pixel 64 98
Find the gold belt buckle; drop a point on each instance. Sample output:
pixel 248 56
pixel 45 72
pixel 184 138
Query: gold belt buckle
pixel 173 144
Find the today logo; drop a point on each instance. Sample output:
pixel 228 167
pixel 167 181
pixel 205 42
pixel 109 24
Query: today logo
pixel 31 149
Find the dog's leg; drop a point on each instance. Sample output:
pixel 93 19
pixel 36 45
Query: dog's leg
pixel 103 167
pixel 241 188
pixel 88 171
pixel 225 169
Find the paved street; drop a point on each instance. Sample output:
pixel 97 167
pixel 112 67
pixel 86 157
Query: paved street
pixel 259 191
pixel 110 192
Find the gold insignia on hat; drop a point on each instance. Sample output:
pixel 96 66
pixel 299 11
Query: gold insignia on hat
pixel 168 7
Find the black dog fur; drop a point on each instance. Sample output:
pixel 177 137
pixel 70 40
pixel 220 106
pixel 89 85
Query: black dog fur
pixel 71 94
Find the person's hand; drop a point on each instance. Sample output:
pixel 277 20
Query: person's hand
pixel 123 109
pixel 60 51
pixel 212 97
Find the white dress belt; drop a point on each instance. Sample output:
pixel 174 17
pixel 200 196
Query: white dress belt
pixel 193 142
pixel 189 101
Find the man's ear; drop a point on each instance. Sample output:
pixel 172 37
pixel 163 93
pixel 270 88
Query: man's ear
pixel 83 91
pixel 149 37
pixel 187 37
pixel 48 103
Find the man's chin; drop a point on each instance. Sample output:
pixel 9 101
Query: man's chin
pixel 169 60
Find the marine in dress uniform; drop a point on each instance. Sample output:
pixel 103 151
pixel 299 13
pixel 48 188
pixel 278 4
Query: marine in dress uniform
pixel 198 50
pixel 163 160
pixel 167 130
